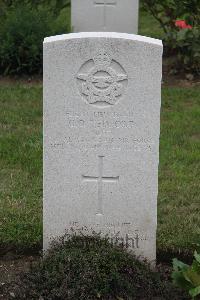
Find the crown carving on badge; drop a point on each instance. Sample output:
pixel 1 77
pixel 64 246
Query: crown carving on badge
pixel 102 58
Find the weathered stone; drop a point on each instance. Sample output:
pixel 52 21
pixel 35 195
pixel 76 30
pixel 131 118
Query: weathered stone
pixel 101 136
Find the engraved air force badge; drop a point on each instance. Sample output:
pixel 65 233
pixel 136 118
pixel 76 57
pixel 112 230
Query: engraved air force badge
pixel 102 80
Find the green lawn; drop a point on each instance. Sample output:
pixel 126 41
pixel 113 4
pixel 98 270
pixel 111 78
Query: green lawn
pixel 179 184
pixel 21 167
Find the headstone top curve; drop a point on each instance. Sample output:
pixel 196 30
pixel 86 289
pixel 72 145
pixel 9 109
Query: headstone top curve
pixel 125 36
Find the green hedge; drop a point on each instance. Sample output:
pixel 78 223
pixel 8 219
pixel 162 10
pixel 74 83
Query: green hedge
pixel 22 31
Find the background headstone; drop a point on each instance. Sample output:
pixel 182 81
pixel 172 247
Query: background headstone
pixel 105 15
pixel 101 136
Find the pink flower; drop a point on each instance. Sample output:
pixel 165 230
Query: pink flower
pixel 182 24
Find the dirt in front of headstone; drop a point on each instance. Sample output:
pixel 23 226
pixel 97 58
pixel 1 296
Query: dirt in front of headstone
pixel 180 79
pixel 11 267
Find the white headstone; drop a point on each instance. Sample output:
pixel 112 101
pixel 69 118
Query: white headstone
pixel 101 136
pixel 105 15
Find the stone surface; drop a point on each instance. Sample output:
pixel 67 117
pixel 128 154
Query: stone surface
pixel 105 15
pixel 101 136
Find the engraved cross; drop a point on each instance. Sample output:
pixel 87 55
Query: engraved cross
pixel 105 4
pixel 100 179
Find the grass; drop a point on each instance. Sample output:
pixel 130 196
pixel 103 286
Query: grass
pixel 21 167
pixel 179 185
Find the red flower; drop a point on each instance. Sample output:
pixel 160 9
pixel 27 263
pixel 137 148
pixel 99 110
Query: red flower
pixel 182 24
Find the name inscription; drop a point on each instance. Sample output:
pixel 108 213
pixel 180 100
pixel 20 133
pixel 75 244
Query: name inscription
pixel 102 120
pixel 102 126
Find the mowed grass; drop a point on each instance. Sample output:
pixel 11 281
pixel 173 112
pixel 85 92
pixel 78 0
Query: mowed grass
pixel 179 176
pixel 21 167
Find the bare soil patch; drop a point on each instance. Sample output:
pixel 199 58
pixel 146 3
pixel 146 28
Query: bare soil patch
pixel 11 267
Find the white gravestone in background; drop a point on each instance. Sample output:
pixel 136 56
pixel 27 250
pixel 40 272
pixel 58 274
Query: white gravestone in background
pixel 101 136
pixel 105 15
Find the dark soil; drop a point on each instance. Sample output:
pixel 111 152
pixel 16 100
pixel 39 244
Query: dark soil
pixel 11 267
pixel 20 276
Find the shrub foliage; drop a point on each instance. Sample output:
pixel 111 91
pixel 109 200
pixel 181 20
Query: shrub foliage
pixel 92 268
pixel 21 41
pixel 183 43
pixel 188 277
pixel 22 30
pixel 55 6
